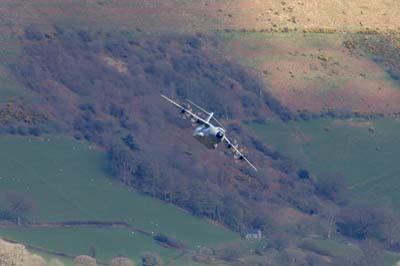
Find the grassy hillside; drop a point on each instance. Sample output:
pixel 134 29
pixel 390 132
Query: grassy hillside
pixel 365 152
pixel 107 243
pixel 67 180
pixel 205 15
pixel 316 72
pixel 94 70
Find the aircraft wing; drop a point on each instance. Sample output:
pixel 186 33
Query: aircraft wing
pixel 236 151
pixel 187 111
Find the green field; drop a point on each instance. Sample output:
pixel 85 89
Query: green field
pixel 47 257
pixel 365 152
pixel 108 243
pixel 66 180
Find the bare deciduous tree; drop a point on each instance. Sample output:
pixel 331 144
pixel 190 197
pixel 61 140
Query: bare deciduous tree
pixel 373 252
pixel 390 227
pixel 19 205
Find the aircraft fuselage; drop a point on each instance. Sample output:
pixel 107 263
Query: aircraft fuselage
pixel 209 136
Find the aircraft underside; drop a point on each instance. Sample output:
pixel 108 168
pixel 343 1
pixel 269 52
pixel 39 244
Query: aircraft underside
pixel 209 143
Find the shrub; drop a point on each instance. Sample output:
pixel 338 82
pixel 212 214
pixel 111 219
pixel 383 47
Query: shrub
pixel 303 174
pixel 33 33
pixel 360 222
pixel 169 241
pixel 330 187
pixel 151 259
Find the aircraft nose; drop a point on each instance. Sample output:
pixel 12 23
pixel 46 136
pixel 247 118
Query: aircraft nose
pixel 219 135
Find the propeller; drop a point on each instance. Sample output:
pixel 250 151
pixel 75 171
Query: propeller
pixel 237 152
pixel 235 144
pixel 185 113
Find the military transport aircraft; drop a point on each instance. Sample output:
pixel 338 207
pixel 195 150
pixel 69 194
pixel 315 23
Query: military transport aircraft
pixel 207 133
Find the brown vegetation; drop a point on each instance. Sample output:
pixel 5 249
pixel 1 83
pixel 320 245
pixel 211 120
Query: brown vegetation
pixel 91 99
pixel 17 255
pixel 116 110
pixel 205 15
pixel 84 260
pixel 103 86
pixel 121 261
pixel 317 74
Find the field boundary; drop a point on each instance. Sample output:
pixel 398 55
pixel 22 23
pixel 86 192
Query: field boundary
pixel 76 224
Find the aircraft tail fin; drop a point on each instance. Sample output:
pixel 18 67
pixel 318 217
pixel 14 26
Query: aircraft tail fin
pixel 210 115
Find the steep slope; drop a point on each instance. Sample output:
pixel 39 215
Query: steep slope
pixel 92 70
pixel 106 88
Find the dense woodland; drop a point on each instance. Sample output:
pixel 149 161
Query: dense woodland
pixel 80 92
pixel 105 88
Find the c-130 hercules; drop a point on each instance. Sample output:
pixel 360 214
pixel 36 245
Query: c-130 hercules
pixel 207 133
